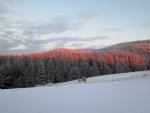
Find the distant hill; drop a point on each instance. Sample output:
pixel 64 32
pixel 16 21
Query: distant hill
pixel 139 47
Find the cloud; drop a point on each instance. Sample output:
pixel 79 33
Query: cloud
pixel 74 39
pixel 57 25
pixel 8 45
pixel 23 36
pixel 145 25
pixel 5 45
pixel 77 44
pixel 112 29
pixel 4 10
pixel 19 47
pixel 73 42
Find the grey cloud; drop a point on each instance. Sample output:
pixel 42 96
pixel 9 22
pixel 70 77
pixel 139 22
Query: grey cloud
pixel 113 29
pixel 3 6
pixel 11 37
pixel 9 40
pixel 2 18
pixel 5 11
pixel 60 44
pixel 5 45
pixel 7 34
pixel 76 42
pixel 97 38
pixel 78 45
pixel 34 45
pixel 58 25
pixel 73 39
pixel 28 31
pixel 5 3
pixel 145 25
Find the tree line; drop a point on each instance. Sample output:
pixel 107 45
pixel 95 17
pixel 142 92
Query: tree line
pixel 31 71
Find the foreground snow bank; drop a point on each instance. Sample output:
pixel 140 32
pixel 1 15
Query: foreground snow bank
pixel 128 96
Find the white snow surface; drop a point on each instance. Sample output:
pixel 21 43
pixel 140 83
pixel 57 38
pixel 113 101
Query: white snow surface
pixel 118 93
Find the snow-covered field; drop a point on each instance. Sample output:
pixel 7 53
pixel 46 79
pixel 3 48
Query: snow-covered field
pixel 119 93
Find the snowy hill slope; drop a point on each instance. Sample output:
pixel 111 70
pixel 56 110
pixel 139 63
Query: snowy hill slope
pixel 110 78
pixel 100 96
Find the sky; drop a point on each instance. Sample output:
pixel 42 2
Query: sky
pixel 37 25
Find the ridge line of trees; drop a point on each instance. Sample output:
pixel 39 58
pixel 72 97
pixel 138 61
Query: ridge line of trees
pixel 61 65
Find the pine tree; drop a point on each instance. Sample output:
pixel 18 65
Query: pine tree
pixel 93 70
pixel 30 74
pixel 83 68
pixel 74 73
pixel 18 71
pixel 104 68
pixel 40 72
pixel 148 66
pixel 50 71
pixel 59 70
pixel 120 67
pixel 66 69
pixel 6 75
